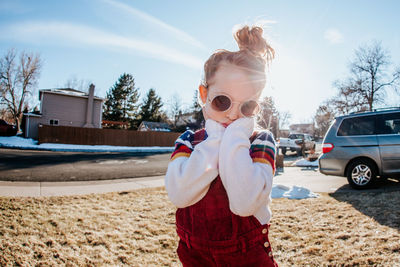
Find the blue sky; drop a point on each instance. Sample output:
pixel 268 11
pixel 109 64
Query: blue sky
pixel 164 44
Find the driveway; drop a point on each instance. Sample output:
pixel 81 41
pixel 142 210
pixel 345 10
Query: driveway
pixel 312 179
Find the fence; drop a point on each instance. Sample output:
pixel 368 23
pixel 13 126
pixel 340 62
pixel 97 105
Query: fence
pixel 112 137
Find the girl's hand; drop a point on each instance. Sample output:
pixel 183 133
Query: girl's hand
pixel 214 129
pixel 244 125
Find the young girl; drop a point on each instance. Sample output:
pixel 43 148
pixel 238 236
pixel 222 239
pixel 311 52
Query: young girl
pixel 220 177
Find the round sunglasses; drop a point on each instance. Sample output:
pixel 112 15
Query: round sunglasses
pixel 223 103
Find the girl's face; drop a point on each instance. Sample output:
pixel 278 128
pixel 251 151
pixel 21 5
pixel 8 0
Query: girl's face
pixel 229 80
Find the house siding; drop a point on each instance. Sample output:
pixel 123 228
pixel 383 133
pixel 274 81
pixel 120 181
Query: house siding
pixel 31 126
pixel 97 113
pixel 68 110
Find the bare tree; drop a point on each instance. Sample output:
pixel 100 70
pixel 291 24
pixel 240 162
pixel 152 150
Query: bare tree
pixel 18 79
pixel 370 69
pixel 175 109
pixel 284 118
pixel 323 118
pixel 348 99
pixel 268 117
pixel 79 84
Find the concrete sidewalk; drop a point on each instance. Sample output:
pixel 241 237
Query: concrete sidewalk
pixel 309 178
pixel 36 189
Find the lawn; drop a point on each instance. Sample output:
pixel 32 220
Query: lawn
pixel 136 228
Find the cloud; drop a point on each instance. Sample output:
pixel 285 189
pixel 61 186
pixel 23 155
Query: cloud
pixel 179 34
pixel 334 36
pixel 76 34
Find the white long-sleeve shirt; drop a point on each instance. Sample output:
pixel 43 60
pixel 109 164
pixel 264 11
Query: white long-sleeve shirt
pixel 246 170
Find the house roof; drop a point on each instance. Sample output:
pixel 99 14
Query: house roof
pixel 30 114
pixel 67 92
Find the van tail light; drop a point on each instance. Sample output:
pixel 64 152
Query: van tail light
pixel 327 147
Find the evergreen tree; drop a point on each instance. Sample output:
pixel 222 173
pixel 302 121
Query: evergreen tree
pixel 151 107
pixel 121 103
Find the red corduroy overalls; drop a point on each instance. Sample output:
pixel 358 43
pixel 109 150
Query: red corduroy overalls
pixel 211 235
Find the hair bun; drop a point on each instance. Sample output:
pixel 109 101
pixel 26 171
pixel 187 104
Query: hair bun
pixel 252 39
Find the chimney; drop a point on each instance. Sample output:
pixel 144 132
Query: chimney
pixel 89 110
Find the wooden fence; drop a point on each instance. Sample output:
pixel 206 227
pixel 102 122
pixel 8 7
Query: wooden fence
pixel 112 137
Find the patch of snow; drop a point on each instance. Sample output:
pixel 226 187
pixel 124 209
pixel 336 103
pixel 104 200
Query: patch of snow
pixel 115 162
pixel 25 143
pixel 295 192
pixel 279 190
pixel 305 163
pixel 17 142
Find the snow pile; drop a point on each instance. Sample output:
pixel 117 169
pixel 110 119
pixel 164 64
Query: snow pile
pixel 24 143
pixel 305 163
pixel 17 142
pixel 295 192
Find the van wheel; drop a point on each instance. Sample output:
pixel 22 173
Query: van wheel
pixel 283 150
pixel 361 174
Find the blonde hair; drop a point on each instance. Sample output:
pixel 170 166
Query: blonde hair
pixel 254 55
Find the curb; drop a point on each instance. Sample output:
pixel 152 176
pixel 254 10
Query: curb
pixel 47 189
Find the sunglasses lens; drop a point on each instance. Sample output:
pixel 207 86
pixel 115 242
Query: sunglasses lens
pixel 221 103
pixel 249 108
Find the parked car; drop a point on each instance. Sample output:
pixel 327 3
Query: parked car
pixel 298 142
pixel 363 147
pixel 7 129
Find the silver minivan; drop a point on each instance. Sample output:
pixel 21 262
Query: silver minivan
pixel 363 147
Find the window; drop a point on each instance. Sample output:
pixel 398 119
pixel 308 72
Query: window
pixel 390 124
pixel 296 136
pixel 53 122
pixel 357 126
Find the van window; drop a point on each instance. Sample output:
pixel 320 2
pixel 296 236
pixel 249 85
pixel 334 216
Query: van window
pixel 390 124
pixel 357 126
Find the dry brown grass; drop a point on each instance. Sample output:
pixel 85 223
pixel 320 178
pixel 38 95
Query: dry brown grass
pixel 137 229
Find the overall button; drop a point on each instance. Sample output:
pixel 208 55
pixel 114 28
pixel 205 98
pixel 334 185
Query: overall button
pixel 264 231
pixel 266 244
pixel 270 254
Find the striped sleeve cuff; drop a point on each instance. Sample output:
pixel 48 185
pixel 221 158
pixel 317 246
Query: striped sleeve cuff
pixel 263 149
pixel 183 145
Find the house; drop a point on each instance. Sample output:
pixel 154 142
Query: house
pixel 185 119
pixel 110 124
pixel 65 107
pixel 154 126
pixel 188 120
pixel 307 128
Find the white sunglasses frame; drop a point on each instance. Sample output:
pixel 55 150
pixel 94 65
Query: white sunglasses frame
pixel 233 102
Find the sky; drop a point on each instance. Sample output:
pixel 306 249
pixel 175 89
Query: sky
pixel 164 44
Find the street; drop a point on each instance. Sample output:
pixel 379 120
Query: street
pixel 47 166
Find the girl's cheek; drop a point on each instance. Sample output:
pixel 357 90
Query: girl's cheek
pixel 207 113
